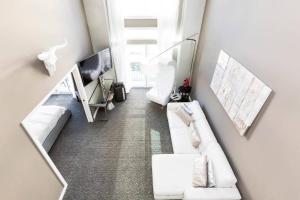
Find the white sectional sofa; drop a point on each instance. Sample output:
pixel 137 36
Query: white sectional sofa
pixel 172 173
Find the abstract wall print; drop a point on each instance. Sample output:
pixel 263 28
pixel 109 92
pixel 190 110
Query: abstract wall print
pixel 241 94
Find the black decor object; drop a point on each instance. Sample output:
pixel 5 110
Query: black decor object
pixel 185 93
pixel 119 92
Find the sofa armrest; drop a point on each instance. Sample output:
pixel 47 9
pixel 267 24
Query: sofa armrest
pixel 174 105
pixel 212 194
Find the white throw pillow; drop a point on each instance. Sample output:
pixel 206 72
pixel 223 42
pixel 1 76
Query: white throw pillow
pixel 223 173
pixel 195 136
pixel 211 182
pixel 186 118
pixel 200 172
pixel 187 109
pixel 195 140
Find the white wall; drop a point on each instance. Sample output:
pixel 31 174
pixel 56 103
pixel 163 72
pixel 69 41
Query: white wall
pixel 26 29
pixel 263 35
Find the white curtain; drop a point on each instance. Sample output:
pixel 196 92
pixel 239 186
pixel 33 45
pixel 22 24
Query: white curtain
pixel 117 40
pixel 166 12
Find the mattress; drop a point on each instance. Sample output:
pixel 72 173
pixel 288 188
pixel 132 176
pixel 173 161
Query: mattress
pixel 52 136
pixel 44 121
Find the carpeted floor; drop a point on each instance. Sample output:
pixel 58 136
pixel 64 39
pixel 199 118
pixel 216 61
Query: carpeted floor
pixel 111 160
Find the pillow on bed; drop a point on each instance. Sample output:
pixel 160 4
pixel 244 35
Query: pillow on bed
pixel 40 123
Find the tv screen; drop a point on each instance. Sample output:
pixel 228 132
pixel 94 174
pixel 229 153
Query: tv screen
pixel 94 66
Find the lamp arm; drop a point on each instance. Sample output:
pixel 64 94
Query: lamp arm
pixel 193 58
pixel 176 44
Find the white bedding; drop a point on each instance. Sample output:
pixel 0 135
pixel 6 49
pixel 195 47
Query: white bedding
pixel 40 123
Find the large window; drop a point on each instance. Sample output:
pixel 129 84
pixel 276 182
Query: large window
pixel 138 54
pixel 141 34
pixel 140 29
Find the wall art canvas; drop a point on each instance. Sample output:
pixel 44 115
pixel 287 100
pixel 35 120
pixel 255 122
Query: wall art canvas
pixel 241 93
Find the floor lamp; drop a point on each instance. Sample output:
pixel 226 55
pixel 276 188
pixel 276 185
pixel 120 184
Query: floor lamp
pixel 189 38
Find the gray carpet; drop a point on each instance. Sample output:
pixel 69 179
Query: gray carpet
pixel 111 160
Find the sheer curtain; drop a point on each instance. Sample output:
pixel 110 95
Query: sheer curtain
pixel 166 12
pixel 117 40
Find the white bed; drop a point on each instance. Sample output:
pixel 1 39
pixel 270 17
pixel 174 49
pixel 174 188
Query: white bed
pixel 45 124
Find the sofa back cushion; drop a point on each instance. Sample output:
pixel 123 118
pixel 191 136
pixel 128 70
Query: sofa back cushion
pixel 186 108
pixel 223 173
pixel 206 135
pixel 196 109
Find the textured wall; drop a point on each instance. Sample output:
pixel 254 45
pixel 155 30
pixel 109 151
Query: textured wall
pixel 263 35
pixel 26 29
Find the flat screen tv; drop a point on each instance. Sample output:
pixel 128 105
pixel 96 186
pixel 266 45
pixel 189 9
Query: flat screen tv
pixel 94 66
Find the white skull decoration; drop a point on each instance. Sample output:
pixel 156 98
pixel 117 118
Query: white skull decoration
pixel 49 58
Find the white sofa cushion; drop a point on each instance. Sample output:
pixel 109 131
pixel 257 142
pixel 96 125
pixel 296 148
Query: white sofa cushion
pixel 172 173
pixel 181 134
pixel 223 173
pixel 197 111
pixel 181 141
pixel 205 133
pixel 174 120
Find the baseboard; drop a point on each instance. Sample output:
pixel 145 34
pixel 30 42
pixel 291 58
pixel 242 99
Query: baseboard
pixel 62 194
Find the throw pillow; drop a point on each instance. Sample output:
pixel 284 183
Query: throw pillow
pixel 186 118
pixel 210 174
pixel 196 141
pixel 223 173
pixel 200 172
pixel 187 109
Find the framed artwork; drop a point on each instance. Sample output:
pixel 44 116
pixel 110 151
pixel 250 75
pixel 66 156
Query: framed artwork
pixel 240 92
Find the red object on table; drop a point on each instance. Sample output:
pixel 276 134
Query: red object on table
pixel 186 82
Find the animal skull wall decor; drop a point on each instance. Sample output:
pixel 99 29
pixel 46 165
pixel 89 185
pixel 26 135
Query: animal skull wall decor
pixel 49 58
